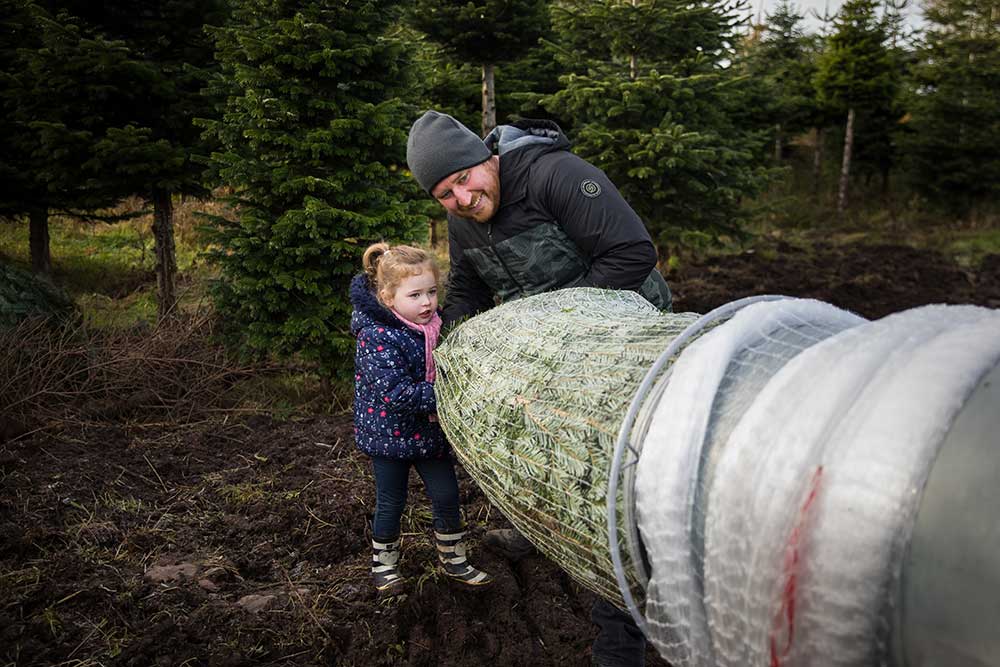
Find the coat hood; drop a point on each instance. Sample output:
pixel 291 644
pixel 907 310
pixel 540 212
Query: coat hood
pixel 519 145
pixel 367 308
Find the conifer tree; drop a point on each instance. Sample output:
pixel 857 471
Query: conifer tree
pixel 483 32
pixel 784 59
pixel 654 101
pixel 19 30
pixel 955 126
pixel 101 99
pixel 57 103
pixel 311 136
pixel 858 77
pixel 155 151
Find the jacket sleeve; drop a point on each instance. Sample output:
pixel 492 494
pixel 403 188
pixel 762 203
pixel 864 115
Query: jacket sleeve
pixel 467 294
pixel 586 204
pixel 381 362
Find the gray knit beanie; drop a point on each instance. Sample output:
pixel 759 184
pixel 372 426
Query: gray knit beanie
pixel 438 146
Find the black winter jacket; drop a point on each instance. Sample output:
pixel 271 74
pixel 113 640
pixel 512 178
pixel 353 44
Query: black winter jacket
pixel 560 223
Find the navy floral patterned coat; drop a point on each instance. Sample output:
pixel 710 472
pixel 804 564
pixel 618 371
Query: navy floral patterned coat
pixel 393 402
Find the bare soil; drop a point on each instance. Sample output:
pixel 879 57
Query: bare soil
pixel 244 541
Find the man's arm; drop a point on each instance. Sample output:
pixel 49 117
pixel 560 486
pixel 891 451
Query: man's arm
pixel 589 208
pixel 466 294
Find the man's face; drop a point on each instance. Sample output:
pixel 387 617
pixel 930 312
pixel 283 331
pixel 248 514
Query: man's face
pixel 472 193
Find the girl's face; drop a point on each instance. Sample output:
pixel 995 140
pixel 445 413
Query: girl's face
pixel 416 297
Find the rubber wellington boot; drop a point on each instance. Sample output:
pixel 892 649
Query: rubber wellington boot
pixel 509 543
pixel 452 556
pixel 385 562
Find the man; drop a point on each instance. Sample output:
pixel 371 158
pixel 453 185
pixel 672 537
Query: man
pixel 527 216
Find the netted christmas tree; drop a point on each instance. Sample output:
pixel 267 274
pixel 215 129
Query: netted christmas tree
pixel 532 395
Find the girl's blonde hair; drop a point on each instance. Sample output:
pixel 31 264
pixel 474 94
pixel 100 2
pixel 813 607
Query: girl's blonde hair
pixel 387 266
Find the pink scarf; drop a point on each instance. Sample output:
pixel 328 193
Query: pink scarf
pixel 431 332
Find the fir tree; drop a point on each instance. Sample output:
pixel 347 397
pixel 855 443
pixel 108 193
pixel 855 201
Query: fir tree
pixel 858 77
pixel 484 32
pixel 58 104
pixel 784 59
pixel 955 126
pixel 155 153
pixel 653 101
pixel 101 99
pixel 311 134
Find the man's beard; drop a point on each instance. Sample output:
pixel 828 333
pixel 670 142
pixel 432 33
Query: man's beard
pixel 490 193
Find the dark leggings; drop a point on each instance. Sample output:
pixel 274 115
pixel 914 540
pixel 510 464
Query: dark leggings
pixel 391 478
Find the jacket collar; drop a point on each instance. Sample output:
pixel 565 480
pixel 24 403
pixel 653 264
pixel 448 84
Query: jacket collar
pixel 519 145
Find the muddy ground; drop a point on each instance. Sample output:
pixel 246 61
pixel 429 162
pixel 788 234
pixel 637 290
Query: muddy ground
pixel 243 540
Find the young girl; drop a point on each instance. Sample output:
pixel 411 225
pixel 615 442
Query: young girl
pixel 396 324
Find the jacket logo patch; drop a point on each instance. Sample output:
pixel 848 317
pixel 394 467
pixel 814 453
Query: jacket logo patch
pixel 590 188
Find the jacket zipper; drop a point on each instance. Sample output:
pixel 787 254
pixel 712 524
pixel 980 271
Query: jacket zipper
pixel 489 235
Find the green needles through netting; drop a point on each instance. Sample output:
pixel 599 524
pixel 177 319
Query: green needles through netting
pixel 532 395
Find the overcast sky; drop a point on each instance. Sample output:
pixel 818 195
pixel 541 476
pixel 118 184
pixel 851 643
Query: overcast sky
pixel 811 8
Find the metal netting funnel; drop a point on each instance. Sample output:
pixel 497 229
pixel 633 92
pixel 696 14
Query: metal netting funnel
pixel 628 448
pixel 689 419
pixel 531 395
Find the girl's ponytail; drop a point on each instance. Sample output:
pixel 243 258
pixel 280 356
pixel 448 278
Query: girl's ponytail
pixel 370 261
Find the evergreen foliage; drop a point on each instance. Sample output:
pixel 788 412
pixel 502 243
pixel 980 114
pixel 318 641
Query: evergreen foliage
pixel 784 59
pixel 171 58
pixel 487 31
pixel 654 103
pixel 452 87
pixel 444 83
pixel 484 33
pixel 23 295
pixel 955 126
pixel 58 103
pixel 99 99
pixel 311 134
pixel 859 71
pixel 154 154
pixel 60 100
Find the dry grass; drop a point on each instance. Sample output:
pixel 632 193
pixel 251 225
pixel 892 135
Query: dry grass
pixel 173 370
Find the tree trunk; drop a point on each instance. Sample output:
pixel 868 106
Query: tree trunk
pixel 845 166
pixel 434 232
pixel 166 256
pixel 777 142
pixel 633 65
pixel 489 101
pixel 38 240
pixel 817 163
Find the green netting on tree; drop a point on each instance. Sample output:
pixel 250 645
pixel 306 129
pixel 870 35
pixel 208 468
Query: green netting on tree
pixel 532 395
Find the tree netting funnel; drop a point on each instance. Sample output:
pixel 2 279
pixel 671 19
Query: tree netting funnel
pixel 710 387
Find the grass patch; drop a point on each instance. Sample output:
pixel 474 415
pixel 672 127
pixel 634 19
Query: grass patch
pixel 969 247
pixel 246 493
pixel 109 269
